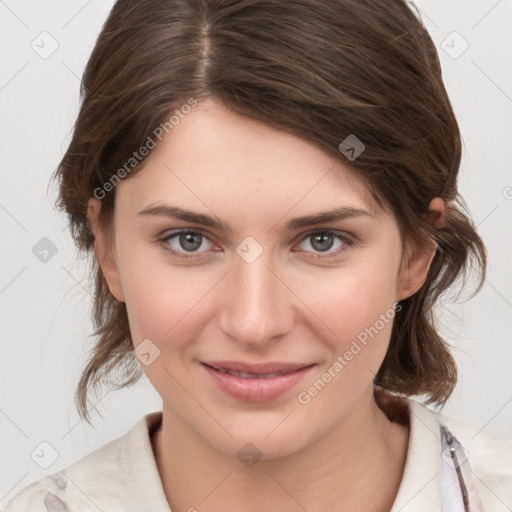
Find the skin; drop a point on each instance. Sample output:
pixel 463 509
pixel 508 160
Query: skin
pixel 338 452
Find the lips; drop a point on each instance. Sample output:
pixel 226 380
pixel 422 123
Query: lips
pixel 256 382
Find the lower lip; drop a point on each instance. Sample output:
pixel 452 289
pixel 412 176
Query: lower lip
pixel 256 389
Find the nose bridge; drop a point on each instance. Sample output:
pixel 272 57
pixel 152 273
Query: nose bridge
pixel 255 310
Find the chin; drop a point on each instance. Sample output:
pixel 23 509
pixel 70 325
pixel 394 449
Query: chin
pixel 265 439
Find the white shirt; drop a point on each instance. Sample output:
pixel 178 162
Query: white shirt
pixel 122 476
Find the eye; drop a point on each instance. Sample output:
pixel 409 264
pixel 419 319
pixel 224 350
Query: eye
pixel 190 241
pixel 185 240
pixel 323 240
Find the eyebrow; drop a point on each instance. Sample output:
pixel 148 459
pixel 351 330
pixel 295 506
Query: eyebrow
pixel 326 217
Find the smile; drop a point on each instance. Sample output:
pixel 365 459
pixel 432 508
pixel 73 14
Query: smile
pixel 256 386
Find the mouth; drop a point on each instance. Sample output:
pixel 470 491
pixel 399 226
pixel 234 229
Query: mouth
pixel 256 382
pixel 244 375
pixel 262 370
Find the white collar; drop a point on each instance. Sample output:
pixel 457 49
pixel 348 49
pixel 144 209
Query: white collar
pixel 420 487
pixel 123 475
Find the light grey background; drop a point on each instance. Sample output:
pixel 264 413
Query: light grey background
pixel 45 306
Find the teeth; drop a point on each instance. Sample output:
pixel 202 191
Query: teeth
pixel 250 375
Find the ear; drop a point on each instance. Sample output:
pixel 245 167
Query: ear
pixel 103 252
pixel 418 257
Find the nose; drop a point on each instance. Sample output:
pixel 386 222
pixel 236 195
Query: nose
pixel 256 306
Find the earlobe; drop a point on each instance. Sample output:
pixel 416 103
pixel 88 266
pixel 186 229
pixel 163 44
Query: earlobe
pixel 103 252
pixel 418 256
pixel 415 267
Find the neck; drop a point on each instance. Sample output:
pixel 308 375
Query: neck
pixel 358 466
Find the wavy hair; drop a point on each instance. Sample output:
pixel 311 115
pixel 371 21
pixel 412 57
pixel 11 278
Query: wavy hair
pixel 318 69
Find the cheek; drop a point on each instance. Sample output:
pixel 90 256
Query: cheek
pixel 167 307
pixel 360 311
pixel 157 309
pixel 354 296
pixel 164 303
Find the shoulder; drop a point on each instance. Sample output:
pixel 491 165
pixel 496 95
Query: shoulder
pixel 54 492
pixel 63 491
pixel 488 453
pixel 489 456
pixel 41 495
pixel 100 478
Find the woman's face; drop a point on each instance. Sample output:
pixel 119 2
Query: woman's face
pixel 264 289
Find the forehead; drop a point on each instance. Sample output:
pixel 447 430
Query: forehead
pixel 215 158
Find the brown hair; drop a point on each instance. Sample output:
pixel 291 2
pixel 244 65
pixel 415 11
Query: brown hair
pixel 319 69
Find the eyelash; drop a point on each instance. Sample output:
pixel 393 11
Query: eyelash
pixel 348 242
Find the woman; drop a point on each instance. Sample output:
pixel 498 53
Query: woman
pixel 270 190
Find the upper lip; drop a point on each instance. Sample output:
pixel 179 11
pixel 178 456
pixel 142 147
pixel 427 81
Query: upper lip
pixel 257 368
